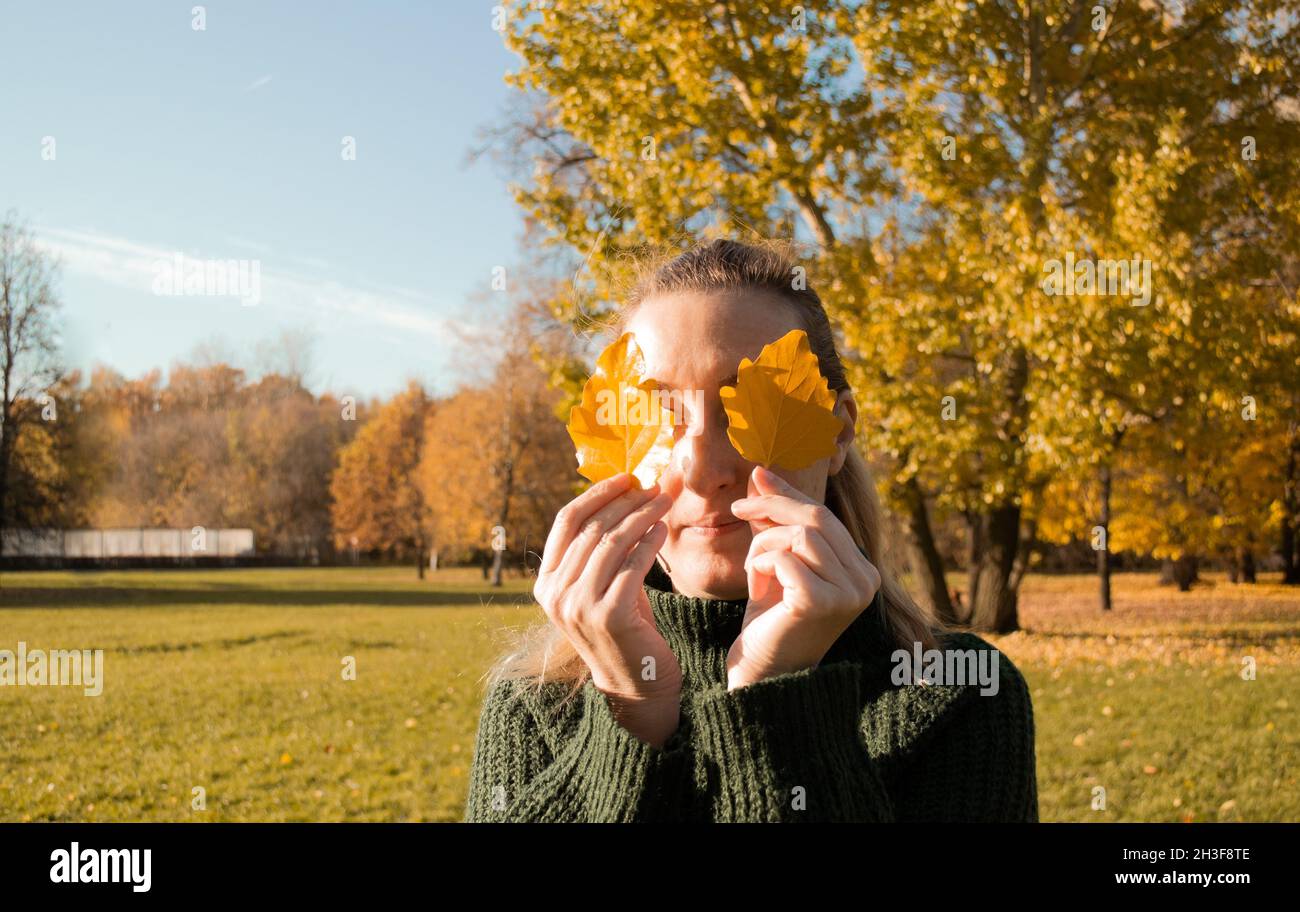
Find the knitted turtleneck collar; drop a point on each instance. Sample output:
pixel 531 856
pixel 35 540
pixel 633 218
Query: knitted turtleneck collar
pixel 700 631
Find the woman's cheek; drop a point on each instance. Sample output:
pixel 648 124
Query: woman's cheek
pixel 810 481
pixel 671 482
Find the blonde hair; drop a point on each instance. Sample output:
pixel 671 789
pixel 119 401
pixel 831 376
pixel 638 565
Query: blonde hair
pixel 543 653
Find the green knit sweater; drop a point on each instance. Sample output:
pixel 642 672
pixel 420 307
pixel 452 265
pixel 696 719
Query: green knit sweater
pixel 837 742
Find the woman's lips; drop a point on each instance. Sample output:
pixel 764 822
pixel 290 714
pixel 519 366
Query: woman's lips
pixel 716 531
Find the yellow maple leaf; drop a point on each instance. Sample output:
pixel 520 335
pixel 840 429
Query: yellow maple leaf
pixel 622 424
pixel 781 411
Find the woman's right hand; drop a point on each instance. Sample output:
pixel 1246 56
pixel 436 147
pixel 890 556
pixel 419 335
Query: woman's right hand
pixel 590 585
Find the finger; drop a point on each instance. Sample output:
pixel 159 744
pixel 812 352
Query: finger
pixel 613 546
pixel 631 574
pixel 753 489
pixel 570 519
pixel 803 589
pixel 858 573
pixel 786 511
pixel 759 583
pixel 574 563
pixel 809 545
pixel 765 481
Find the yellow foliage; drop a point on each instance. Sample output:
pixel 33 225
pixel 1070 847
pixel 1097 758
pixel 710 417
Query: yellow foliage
pixel 621 424
pixel 781 411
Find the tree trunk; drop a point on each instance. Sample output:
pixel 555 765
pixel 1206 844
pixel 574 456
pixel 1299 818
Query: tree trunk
pixel 1245 565
pixel 507 475
pixel 926 562
pixel 1103 555
pixel 419 560
pixel 1185 572
pixel 1166 572
pixel 1291 510
pixel 499 554
pixel 974 553
pixel 994 608
pixel 1023 554
pixel 6 441
pixel 8 411
pixel 497 560
pixel 1290 566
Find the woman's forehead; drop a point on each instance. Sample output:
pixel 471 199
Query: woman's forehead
pixel 701 338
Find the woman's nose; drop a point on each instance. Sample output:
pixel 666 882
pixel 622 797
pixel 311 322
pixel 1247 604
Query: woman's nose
pixel 707 461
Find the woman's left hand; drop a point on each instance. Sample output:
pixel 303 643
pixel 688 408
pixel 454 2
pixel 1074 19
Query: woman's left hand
pixel 807 579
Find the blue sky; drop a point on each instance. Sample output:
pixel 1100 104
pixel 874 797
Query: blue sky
pixel 226 144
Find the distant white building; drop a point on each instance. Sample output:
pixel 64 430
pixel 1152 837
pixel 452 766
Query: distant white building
pixel 106 544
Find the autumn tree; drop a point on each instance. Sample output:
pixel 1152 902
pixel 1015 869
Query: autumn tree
pixel 1196 410
pixel 938 155
pixel 282 447
pixel 202 446
pixel 115 411
pixel 28 345
pixel 47 466
pixel 498 462
pixel 377 504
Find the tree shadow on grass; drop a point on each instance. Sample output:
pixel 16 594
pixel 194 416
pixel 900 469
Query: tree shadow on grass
pixel 18 597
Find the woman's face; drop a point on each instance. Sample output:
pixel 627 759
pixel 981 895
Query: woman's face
pixel 695 341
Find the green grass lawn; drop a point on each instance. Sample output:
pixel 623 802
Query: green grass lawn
pixel 230 680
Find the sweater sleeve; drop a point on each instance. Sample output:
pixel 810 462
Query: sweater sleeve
pixel 591 769
pixel 790 748
pixel 982 769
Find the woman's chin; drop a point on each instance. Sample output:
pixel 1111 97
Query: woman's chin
pixel 708 576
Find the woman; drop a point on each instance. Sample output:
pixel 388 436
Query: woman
pixel 720 647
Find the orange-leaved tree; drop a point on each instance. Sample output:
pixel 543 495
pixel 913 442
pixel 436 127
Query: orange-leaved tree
pixel 377 504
